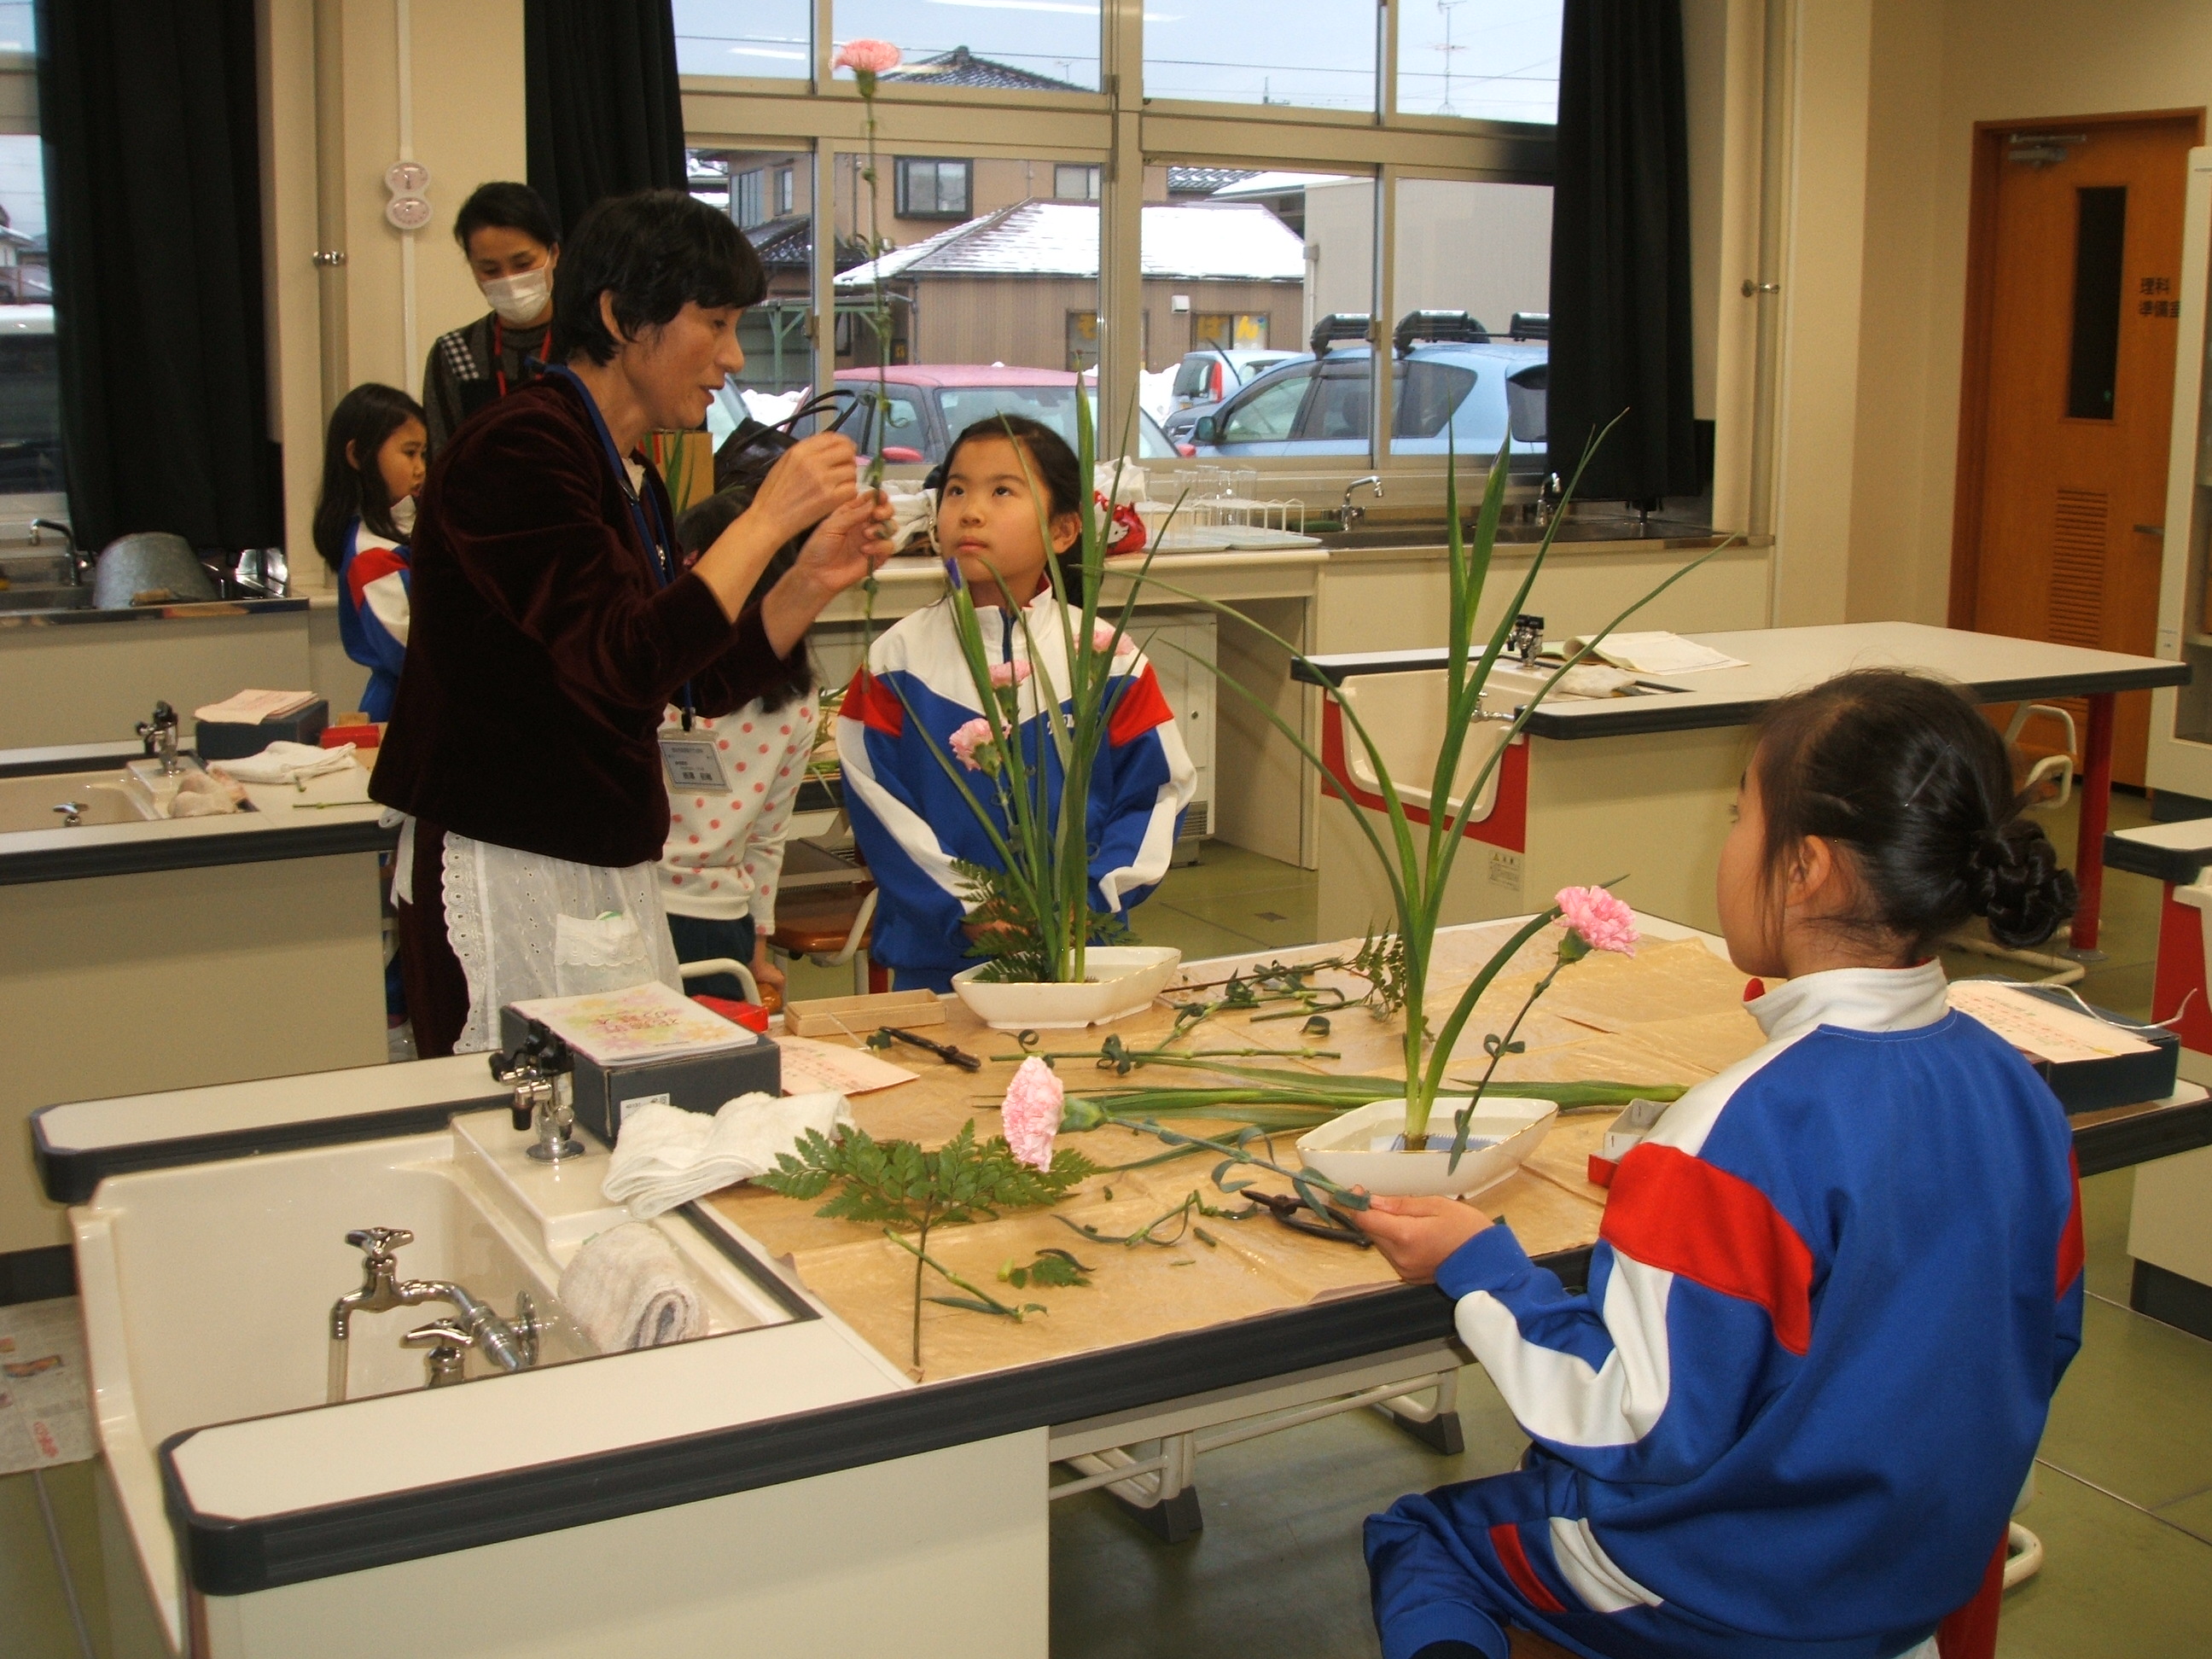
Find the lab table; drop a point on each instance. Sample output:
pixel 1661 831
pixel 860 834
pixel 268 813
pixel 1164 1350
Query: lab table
pixel 1598 787
pixel 171 952
pixel 1171 1352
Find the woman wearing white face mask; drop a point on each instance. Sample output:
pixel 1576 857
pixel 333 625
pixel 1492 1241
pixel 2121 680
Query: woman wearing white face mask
pixel 511 247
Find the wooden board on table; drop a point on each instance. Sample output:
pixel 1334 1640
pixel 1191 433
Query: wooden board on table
pixel 1671 1014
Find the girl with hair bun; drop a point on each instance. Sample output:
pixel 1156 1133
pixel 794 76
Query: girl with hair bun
pixel 1836 1285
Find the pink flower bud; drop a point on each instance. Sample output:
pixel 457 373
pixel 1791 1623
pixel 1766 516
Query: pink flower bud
pixel 1009 673
pixel 1604 922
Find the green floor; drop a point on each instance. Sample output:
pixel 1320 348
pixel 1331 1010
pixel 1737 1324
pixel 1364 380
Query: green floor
pixel 2124 1504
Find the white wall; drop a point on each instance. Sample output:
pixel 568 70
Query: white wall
pixel 468 127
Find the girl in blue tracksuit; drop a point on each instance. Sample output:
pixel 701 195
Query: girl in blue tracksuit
pixel 1836 1285
pixel 371 466
pixel 910 820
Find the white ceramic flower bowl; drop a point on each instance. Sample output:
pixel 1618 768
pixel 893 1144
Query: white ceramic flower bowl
pixel 1355 1149
pixel 1120 980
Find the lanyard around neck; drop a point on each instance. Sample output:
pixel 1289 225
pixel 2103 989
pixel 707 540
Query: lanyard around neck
pixel 644 510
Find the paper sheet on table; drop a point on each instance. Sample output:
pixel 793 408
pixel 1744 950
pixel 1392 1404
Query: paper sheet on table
pixel 1659 653
pixel 2039 1030
pixel 45 1393
pixel 810 1068
pixel 251 707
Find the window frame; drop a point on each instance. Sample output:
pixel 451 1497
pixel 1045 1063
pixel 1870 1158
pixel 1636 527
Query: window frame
pixel 1122 133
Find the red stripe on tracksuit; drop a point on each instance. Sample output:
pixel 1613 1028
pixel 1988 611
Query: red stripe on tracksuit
pixel 2071 1252
pixel 1505 1539
pixel 875 705
pixel 1140 706
pixel 1686 1216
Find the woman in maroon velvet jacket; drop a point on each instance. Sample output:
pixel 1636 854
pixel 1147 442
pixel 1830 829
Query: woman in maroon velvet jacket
pixel 552 626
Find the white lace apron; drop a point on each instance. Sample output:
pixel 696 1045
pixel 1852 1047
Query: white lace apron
pixel 524 925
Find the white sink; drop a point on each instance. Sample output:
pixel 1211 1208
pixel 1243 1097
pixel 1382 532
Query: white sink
pixel 207 1288
pixel 107 798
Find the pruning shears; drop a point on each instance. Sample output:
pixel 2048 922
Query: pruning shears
pixel 1293 1213
pixel 943 1051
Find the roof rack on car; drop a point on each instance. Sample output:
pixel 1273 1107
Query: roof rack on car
pixel 1340 326
pixel 1532 326
pixel 1416 327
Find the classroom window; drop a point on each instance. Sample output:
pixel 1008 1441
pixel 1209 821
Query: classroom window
pixel 1490 60
pixel 1004 45
pixel 1320 55
pixel 30 381
pixel 756 38
pixel 994 266
pixel 774 333
pixel 934 190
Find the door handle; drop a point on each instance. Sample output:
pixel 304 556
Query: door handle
pixel 2150 530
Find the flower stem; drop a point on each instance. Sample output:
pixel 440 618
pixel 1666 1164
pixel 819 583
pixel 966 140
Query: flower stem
pixel 1497 1052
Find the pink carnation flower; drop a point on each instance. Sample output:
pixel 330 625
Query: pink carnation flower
pixel 1102 638
pixel 873 56
pixel 1009 673
pixel 1030 1112
pixel 1604 922
pixel 977 734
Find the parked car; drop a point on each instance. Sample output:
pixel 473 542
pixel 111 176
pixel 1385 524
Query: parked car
pixel 1481 394
pixel 931 403
pixel 1203 379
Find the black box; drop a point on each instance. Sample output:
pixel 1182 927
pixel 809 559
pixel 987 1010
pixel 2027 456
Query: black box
pixel 219 740
pixel 692 1083
pixel 2090 1085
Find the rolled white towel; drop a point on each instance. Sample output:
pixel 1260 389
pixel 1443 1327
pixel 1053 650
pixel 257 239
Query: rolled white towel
pixel 627 1289
pixel 283 762
pixel 666 1156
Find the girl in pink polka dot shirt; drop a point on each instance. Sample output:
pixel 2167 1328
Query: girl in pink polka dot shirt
pixel 724 854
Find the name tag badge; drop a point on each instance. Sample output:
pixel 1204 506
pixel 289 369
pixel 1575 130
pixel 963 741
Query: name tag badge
pixel 692 763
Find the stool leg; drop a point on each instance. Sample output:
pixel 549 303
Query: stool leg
pixel 863 982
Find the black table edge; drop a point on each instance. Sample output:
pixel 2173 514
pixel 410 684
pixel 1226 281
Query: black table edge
pixel 156 853
pixel 2179 865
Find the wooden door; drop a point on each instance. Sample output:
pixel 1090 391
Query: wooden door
pixel 2072 317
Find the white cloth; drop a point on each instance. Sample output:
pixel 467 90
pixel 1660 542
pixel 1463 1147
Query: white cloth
pixel 666 1156
pixel 504 914
pixel 627 1289
pixel 403 855
pixel 725 852
pixel 284 762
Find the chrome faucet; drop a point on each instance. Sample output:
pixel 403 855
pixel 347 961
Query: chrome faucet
pixel 1347 514
pixel 158 731
pixel 72 813
pixel 542 1072
pixel 511 1346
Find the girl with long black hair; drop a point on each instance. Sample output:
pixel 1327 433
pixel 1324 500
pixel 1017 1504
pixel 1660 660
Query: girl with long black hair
pixel 372 464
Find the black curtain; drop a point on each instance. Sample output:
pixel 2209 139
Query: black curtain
pixel 1620 253
pixel 604 115
pixel 154 204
